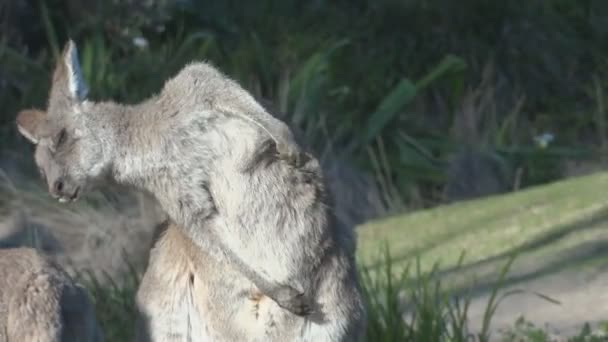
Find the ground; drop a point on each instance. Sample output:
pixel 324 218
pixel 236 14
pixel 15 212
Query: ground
pixel 581 294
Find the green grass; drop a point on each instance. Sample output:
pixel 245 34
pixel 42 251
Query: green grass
pixel 539 223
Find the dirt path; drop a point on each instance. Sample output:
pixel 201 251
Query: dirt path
pixel 582 293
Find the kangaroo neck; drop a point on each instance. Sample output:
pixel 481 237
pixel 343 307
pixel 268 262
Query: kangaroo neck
pixel 137 143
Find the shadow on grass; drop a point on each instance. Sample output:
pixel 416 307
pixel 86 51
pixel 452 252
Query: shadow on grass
pixel 570 258
pixel 469 226
pixel 542 241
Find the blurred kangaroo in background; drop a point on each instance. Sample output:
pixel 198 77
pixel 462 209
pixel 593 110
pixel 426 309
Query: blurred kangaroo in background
pixel 244 193
pixel 39 302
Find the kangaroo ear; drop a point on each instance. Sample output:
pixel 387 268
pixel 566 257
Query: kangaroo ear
pixel 28 123
pixel 68 73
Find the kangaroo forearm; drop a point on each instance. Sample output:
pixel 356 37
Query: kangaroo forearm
pixel 207 229
pixel 210 241
pixel 286 296
pixel 263 284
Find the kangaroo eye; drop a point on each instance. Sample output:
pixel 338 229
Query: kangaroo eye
pixel 61 138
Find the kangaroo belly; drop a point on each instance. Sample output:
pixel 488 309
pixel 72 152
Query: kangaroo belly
pixel 188 296
pixel 166 297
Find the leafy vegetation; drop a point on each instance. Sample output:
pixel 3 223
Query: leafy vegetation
pixel 401 86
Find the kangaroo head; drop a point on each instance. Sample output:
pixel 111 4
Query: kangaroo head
pixel 68 147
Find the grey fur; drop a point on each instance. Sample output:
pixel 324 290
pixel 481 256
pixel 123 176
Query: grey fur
pixel 40 302
pixel 219 179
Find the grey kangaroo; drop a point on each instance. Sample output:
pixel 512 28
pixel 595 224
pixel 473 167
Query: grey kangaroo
pixel 218 177
pixel 39 302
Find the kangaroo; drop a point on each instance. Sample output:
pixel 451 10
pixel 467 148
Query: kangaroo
pixel 39 302
pixel 219 178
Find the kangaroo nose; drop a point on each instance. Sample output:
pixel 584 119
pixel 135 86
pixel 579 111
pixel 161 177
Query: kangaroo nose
pixel 58 186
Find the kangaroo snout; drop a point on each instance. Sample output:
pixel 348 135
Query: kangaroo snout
pixel 63 189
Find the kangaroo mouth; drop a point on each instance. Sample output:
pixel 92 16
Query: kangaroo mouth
pixel 70 198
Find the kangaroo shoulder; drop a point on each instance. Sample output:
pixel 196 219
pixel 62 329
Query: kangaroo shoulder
pixel 199 74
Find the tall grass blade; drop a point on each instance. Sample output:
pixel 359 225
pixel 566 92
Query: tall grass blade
pixel 449 64
pixel 390 107
pixel 50 30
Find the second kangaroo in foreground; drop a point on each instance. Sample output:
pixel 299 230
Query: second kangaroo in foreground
pixel 39 302
pixel 219 178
